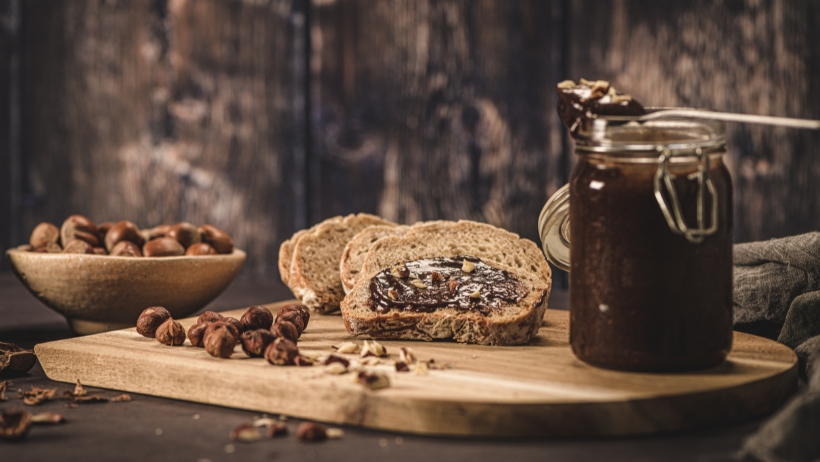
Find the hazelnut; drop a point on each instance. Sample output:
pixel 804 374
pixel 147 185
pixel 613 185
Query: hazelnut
pixel 246 433
pixel 257 317
pixel 373 348
pixel 170 333
pixel 78 246
pixel 294 317
pixel 475 295
pixel 155 232
pixel 235 323
pixel 209 316
pixel 125 249
pixel 285 329
pixel 219 240
pixel 199 249
pixel 123 231
pixel 407 355
pixel 255 342
pixel 282 352
pixel 304 312
pixel 393 294
pixel 79 227
pixel 301 361
pixel 49 247
pixel 14 424
pixel 346 347
pixel 163 247
pixel 150 319
pixel 418 283
pixel 453 285
pixel 401 366
pixel 100 251
pixel 310 432
pixel 102 230
pixel 196 334
pixel 435 278
pixel 467 266
pixel 220 339
pixel 43 234
pixel 185 233
pixel 336 359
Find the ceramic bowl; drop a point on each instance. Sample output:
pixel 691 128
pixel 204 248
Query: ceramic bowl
pixel 98 293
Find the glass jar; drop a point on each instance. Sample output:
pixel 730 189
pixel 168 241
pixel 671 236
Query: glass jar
pixel 647 221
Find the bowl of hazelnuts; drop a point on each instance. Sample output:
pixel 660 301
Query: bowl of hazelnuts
pixel 101 277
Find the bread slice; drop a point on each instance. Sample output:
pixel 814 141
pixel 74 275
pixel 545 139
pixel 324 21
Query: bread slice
pixel 514 325
pixel 286 249
pixel 449 238
pixel 314 268
pixel 350 266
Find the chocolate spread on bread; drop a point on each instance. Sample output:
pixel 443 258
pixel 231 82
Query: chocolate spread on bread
pixel 585 100
pixel 463 282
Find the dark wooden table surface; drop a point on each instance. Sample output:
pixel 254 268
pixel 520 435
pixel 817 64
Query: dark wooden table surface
pixel 150 428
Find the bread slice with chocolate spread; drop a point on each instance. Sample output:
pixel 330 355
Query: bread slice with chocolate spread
pixel 313 273
pixel 514 324
pixel 384 316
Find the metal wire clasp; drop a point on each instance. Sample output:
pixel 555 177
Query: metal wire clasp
pixel 664 179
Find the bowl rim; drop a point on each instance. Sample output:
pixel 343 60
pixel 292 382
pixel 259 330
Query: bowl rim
pixel 237 253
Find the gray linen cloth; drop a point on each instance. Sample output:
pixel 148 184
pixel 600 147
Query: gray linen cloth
pixel 777 295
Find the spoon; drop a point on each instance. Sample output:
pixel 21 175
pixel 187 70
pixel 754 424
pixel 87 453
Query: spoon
pixel 732 117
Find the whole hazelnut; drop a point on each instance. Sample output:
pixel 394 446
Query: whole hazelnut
pixel 199 249
pixel 155 232
pixel 123 231
pixel 163 247
pixel 150 319
pixel 237 324
pixel 196 334
pixel 285 329
pixel 220 339
pixel 170 333
pixel 257 317
pixel 255 342
pixel 303 311
pixel 219 240
pixel 209 316
pixel 281 352
pixel 102 229
pixel 294 317
pixel 78 246
pixel 49 247
pixel 43 234
pixel 79 227
pixel 125 249
pixel 185 233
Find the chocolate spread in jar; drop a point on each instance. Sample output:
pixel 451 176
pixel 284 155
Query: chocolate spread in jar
pixel 585 100
pixel 446 282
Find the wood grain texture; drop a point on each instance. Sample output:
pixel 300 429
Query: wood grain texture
pixel 539 389
pixel 757 57
pixel 160 111
pixel 436 109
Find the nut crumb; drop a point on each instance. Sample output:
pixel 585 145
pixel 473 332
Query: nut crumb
pixel 47 418
pixel 245 433
pixel 407 355
pixel 373 381
pixel 402 367
pixel 346 347
pixel 566 85
pixel 467 266
pixel 335 368
pixel 421 369
pixel 3 386
pixel 264 422
pixel 334 433
pixel 393 294
pixel 123 398
pixel 373 348
pixel 311 432
pixel 435 277
pixel 418 283
pixel 475 294
pixel 453 285
pixel 277 429
pixel 36 395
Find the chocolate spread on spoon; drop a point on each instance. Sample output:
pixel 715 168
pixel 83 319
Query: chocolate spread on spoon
pixel 585 100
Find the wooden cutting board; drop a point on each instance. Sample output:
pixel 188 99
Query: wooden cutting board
pixel 536 390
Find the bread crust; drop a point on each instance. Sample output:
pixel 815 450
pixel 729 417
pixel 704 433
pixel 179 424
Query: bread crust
pixel 355 251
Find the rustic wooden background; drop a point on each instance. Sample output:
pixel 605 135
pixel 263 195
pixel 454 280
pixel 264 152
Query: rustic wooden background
pixel 263 117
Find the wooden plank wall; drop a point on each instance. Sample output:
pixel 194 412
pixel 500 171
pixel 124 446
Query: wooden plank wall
pixel 265 116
